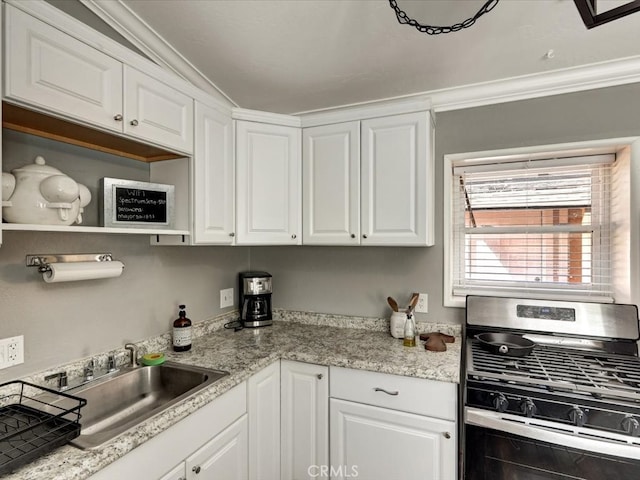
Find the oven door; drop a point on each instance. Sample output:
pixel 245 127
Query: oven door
pixel 500 446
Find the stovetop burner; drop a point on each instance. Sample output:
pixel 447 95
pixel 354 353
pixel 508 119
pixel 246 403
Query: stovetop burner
pixel 586 373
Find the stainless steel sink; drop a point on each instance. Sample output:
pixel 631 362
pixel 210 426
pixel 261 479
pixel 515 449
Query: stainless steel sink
pixel 132 395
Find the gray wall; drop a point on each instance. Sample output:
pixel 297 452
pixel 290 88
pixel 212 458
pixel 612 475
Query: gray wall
pixel 357 280
pixel 66 321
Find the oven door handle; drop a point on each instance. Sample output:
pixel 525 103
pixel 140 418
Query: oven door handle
pixel 578 438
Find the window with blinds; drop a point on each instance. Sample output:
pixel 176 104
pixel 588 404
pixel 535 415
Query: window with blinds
pixel 533 227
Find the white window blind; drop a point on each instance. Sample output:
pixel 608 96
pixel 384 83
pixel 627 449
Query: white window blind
pixel 533 228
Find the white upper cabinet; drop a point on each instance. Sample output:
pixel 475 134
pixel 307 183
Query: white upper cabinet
pixel 369 182
pixel 331 184
pixel 50 71
pixel 268 184
pixel 213 177
pixel 397 180
pixel 156 112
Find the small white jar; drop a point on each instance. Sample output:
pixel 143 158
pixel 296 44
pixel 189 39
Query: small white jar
pixel 396 323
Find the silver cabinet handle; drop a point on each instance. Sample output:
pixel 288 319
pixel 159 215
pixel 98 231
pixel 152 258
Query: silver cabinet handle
pixel 394 393
pixel 134 122
pixel 446 435
pixel 118 117
pixel 196 469
pixel 319 376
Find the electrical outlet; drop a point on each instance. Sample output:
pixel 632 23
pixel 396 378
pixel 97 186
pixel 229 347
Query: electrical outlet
pixel 226 298
pixel 423 303
pixel 11 351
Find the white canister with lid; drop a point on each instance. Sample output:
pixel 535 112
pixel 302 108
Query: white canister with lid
pixel 396 323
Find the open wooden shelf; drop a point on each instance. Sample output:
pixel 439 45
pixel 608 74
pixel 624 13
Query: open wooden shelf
pixel 27 121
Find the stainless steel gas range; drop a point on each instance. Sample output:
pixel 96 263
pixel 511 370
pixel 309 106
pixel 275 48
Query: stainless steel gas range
pixel 570 409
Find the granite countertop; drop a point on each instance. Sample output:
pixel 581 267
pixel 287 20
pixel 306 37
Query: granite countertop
pixel 243 354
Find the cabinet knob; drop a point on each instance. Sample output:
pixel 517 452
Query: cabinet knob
pixel 364 236
pixel 134 122
pixel 319 376
pixel 353 235
pixel 232 234
pixel 118 117
pixel 446 435
pixel 196 469
pixel 294 236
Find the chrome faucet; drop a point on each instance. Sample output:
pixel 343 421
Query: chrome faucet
pixel 88 371
pixel 62 379
pixel 134 353
pixel 111 363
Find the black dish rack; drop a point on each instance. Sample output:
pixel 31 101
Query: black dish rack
pixel 33 421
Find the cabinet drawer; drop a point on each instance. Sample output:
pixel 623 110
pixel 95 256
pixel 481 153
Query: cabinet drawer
pixel 415 395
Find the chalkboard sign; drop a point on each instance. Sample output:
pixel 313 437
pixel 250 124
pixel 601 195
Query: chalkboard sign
pixel 137 204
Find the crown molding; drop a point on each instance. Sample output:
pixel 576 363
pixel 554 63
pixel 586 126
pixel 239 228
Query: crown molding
pixel 128 24
pixel 575 79
pixel 349 113
pixel 266 117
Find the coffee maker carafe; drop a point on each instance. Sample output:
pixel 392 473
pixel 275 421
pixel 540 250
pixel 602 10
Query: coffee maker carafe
pixel 255 299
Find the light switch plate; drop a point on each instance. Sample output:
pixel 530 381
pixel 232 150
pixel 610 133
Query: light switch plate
pixel 226 298
pixel 423 303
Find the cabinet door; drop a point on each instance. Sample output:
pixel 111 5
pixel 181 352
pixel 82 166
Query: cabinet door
pixel 305 419
pixel 331 184
pixel 263 404
pixel 224 457
pixel 177 473
pixel 156 112
pixel 397 180
pixel 213 177
pixel 268 184
pixel 379 444
pixel 50 70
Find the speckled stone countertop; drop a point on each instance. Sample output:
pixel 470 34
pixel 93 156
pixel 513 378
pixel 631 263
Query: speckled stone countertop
pixel 296 336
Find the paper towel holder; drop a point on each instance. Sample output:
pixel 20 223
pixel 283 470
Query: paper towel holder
pixel 43 261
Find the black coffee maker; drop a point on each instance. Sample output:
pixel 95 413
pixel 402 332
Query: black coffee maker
pixel 255 299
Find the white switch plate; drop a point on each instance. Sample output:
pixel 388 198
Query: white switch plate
pixel 11 351
pixel 423 303
pixel 226 298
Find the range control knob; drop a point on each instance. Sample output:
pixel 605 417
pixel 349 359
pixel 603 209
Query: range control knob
pixel 577 416
pixel 500 402
pixel 631 426
pixel 528 407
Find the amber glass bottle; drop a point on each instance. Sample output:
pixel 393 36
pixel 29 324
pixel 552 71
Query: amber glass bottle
pixel 182 332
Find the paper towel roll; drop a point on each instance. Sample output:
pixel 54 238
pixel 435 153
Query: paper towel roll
pixel 68 272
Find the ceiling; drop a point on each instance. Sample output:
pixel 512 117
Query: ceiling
pixel 291 56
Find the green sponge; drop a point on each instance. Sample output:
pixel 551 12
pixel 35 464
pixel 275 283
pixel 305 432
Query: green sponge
pixel 153 359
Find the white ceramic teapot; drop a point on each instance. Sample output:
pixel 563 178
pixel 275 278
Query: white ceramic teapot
pixel 39 194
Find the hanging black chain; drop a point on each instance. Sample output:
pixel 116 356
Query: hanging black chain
pixel 436 30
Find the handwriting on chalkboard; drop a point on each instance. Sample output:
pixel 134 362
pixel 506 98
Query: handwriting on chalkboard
pixel 140 205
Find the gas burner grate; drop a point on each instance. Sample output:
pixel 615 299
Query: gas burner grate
pixel 555 368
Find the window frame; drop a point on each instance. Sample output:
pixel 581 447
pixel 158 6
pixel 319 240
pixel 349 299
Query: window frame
pixel 537 152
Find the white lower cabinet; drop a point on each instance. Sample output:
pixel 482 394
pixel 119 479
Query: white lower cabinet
pixel 387 426
pixel 225 456
pixel 305 419
pixel 263 404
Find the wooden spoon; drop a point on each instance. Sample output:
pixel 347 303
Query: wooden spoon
pixel 414 300
pixel 393 304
